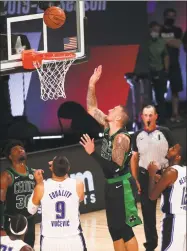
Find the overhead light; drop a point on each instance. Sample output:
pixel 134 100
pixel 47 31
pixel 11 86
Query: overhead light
pixel 49 137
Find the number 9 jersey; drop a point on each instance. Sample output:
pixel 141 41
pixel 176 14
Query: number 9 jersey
pixel 60 209
pixel 19 192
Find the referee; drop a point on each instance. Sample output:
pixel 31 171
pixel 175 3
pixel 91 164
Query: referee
pixel 149 144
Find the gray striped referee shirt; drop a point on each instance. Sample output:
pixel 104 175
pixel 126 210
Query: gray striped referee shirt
pixel 153 146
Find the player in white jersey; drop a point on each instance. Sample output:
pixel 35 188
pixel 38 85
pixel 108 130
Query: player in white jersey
pixel 173 190
pixel 59 197
pixel 14 242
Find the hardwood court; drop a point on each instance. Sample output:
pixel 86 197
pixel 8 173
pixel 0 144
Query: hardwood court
pixel 97 235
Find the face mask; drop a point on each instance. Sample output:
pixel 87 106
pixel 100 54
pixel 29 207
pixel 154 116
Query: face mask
pixel 169 21
pixel 154 34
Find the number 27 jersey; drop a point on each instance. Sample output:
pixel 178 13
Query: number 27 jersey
pixel 60 209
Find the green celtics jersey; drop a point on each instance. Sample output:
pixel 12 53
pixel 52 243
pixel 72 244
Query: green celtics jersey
pixel 19 192
pixel 106 151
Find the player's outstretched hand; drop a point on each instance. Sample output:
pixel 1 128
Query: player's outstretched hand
pixel 38 175
pixel 96 75
pixel 87 143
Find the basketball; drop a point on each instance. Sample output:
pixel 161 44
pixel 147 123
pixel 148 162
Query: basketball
pixel 54 17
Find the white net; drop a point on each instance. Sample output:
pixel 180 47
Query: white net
pixel 52 77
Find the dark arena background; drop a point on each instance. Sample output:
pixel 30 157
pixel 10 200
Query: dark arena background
pixel 117 36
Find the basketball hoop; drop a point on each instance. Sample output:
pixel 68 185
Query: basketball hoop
pixel 52 68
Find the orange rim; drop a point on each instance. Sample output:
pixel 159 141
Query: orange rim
pixel 30 56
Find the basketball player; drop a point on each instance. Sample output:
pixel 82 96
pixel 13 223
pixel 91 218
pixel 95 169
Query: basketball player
pixel 115 154
pixel 172 186
pixel 16 186
pixel 59 197
pixel 14 242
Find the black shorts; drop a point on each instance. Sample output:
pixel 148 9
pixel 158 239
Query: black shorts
pixel 126 233
pixel 116 213
pixel 175 78
pixel 30 234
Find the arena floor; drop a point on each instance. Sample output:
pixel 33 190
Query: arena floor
pixel 97 235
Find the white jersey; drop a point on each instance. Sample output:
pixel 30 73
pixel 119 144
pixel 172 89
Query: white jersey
pixel 173 232
pixel 60 209
pixel 11 245
pixel 174 198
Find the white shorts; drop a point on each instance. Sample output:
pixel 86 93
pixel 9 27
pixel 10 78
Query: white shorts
pixel 173 233
pixel 75 243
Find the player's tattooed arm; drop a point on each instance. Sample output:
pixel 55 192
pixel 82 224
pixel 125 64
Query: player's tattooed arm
pixel 100 117
pixel 92 109
pixel 121 145
pixel 91 96
pixel 91 99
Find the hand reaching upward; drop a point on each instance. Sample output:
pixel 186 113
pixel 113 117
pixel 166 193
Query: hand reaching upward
pixel 96 75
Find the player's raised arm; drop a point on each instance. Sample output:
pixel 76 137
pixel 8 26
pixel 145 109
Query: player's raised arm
pixel 92 100
pixel 167 179
pixel 35 198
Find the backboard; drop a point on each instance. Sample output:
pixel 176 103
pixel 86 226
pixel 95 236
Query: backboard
pixel 25 29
